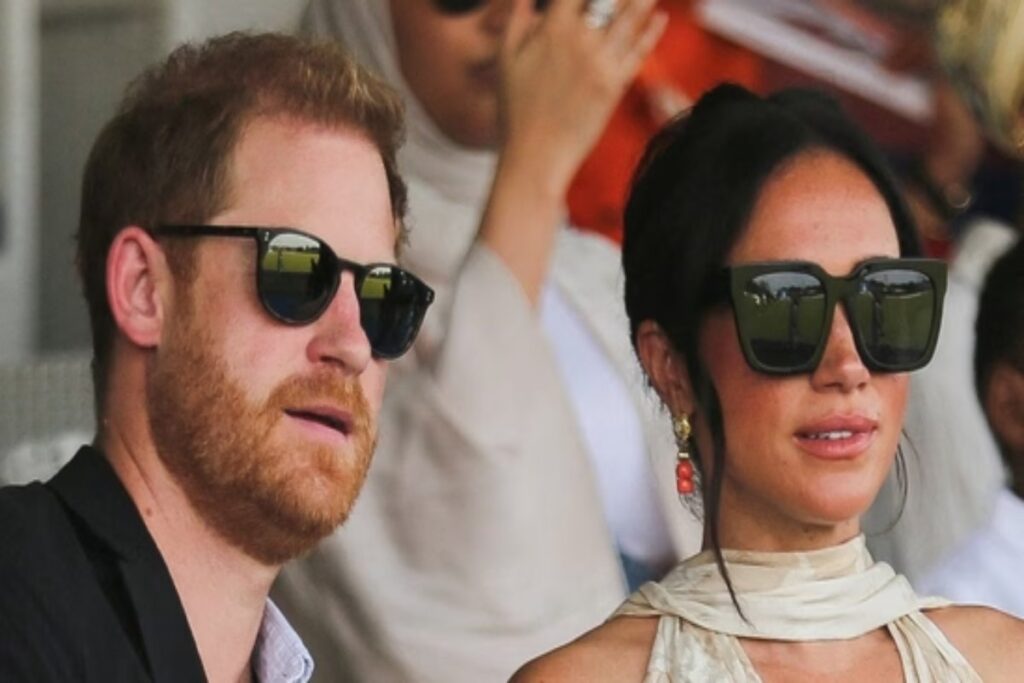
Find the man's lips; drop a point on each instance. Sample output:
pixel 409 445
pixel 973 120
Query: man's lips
pixel 837 436
pixel 335 419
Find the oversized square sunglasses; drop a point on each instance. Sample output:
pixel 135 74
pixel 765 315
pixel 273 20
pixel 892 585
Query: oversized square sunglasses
pixel 784 310
pixel 297 276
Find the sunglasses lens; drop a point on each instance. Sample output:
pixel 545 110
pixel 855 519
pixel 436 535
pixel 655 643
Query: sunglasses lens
pixel 391 305
pixel 296 277
pixel 894 312
pixel 782 316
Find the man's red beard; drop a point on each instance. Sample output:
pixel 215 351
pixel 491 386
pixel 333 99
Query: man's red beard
pixel 274 499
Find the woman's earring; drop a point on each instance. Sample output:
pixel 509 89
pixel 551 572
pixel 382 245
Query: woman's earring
pixel 684 464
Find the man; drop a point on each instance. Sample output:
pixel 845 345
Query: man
pixel 986 568
pixel 516 492
pixel 236 414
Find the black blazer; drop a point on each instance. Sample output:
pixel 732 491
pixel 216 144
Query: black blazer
pixel 84 592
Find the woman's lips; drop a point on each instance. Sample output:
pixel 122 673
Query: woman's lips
pixel 837 437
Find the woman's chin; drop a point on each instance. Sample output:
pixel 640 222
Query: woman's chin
pixel 838 510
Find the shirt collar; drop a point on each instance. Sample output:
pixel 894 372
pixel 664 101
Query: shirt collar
pixel 279 655
pixel 89 486
pixel 97 501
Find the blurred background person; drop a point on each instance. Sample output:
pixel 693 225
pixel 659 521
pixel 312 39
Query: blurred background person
pixel 512 502
pixel 778 300
pixel 686 62
pixel 963 184
pixel 986 568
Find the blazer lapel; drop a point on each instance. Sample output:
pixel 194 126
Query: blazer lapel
pixel 91 489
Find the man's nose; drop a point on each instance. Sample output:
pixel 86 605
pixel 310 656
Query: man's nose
pixel 339 338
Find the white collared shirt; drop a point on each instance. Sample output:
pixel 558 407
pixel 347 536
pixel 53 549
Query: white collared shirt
pixel 279 655
pixel 986 569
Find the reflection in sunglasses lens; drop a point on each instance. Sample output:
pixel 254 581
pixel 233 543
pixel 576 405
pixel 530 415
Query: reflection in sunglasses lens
pixel 373 294
pixel 783 314
pixel 296 276
pixel 466 6
pixel 389 304
pixel 893 311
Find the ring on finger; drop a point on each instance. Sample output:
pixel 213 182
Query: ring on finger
pixel 599 13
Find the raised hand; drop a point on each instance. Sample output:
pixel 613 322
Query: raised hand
pixel 562 75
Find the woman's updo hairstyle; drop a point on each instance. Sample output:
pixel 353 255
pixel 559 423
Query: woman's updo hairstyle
pixel 691 200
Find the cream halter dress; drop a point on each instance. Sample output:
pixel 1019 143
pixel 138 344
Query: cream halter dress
pixel 832 594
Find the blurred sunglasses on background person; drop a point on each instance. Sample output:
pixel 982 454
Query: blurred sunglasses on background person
pixel 598 13
pixel 456 7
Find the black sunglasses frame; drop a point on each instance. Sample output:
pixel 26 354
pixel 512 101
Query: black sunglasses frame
pixel 265 235
pixel 732 283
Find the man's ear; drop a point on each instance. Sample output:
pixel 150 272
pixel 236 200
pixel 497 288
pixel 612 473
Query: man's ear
pixel 1004 405
pixel 665 367
pixel 138 281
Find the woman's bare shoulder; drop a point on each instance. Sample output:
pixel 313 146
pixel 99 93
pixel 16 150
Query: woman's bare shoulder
pixel 992 641
pixel 614 652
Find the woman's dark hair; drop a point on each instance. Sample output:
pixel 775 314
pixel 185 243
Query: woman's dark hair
pixel 999 328
pixel 691 200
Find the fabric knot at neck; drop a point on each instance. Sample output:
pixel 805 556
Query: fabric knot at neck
pixel 829 594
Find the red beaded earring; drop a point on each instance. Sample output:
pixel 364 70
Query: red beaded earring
pixel 685 484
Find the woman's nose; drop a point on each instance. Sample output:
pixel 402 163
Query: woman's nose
pixel 841 365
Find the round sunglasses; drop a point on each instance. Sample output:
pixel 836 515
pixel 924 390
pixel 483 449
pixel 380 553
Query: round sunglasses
pixel 297 276
pixel 784 311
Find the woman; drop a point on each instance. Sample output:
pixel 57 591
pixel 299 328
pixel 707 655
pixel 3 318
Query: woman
pixel 501 515
pixel 775 306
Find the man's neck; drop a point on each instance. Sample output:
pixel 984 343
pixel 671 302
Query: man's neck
pixel 222 590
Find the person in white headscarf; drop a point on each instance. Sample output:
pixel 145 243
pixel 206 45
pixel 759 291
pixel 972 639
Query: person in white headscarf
pixel 778 302
pixel 512 500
